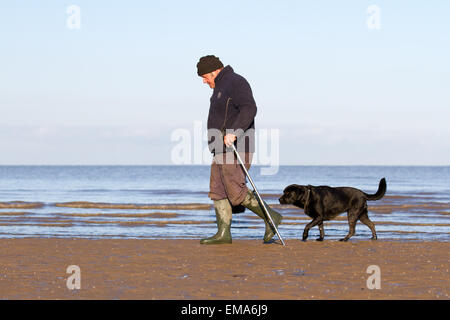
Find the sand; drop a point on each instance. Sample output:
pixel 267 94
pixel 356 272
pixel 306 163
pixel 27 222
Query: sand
pixel 35 268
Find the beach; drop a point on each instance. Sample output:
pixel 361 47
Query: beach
pixel 35 268
pixel 134 233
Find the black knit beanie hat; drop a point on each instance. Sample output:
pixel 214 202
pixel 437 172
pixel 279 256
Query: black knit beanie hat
pixel 208 64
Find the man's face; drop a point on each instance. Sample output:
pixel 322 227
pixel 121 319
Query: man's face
pixel 209 78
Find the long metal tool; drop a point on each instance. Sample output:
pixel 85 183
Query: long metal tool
pixel 261 202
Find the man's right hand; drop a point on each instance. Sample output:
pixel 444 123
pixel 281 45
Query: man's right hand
pixel 229 139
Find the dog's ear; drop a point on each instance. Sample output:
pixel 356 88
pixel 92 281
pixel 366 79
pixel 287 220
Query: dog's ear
pixel 301 190
pixel 296 188
pixel 290 188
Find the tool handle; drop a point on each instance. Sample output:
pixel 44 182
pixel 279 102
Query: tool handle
pixel 258 195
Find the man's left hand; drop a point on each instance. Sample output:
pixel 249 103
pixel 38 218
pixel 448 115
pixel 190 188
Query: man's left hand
pixel 229 139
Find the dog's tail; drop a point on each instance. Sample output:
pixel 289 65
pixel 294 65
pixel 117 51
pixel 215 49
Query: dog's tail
pixel 380 193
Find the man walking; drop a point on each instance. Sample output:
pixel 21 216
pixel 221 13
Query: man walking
pixel 230 121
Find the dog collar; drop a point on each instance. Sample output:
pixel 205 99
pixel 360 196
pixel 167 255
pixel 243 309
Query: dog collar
pixel 307 200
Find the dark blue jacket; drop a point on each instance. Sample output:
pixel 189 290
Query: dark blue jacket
pixel 240 116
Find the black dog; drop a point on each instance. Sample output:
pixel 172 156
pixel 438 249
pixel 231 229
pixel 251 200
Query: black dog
pixel 325 203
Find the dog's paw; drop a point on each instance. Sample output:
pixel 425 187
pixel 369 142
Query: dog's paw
pixel 343 239
pixel 319 239
pixel 304 239
pixel 373 238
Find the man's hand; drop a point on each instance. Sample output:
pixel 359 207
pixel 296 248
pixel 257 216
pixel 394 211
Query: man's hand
pixel 229 139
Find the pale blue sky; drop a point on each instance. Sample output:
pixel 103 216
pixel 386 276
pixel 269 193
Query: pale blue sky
pixel 114 91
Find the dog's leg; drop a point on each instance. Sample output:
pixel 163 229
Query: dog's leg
pixel 352 218
pixel 364 218
pixel 322 233
pixel 313 223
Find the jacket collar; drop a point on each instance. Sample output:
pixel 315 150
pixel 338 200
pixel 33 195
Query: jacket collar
pixel 228 69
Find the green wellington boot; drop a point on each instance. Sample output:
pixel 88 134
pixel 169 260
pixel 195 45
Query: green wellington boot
pixel 223 219
pixel 251 203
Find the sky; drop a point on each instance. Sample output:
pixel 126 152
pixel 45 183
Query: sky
pixel 335 82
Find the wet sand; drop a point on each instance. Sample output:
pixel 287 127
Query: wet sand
pixel 35 268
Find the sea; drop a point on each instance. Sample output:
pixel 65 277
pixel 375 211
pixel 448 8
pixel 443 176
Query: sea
pixel 171 202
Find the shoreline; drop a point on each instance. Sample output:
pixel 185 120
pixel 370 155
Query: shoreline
pixel 396 218
pixel 35 268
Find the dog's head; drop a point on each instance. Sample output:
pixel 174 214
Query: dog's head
pixel 294 194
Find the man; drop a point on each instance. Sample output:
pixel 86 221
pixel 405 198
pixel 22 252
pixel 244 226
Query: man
pixel 230 121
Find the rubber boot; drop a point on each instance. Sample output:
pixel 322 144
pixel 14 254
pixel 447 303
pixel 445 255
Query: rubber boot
pixel 223 219
pixel 251 203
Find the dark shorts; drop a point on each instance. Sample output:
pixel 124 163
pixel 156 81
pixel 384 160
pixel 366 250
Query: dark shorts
pixel 228 179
